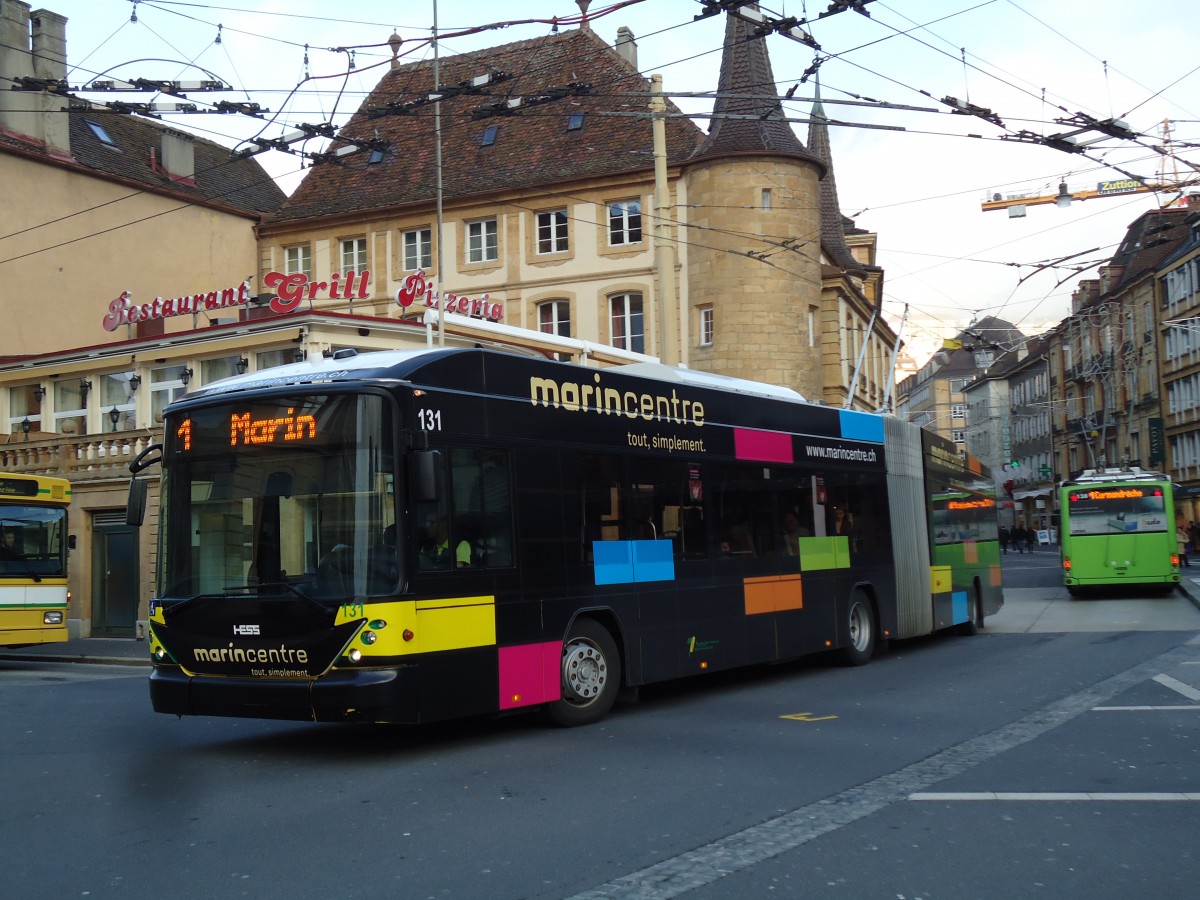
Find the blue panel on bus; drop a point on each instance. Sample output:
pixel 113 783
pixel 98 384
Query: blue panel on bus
pixel 653 561
pixel 614 561
pixel 624 562
pixel 857 426
pixel 959 610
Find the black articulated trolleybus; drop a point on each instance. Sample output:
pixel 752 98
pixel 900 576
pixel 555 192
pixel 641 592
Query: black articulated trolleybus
pixel 418 535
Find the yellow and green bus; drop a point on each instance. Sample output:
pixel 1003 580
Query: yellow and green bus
pixel 33 559
pixel 1118 529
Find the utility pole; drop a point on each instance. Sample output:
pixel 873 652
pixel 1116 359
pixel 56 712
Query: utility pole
pixel 664 259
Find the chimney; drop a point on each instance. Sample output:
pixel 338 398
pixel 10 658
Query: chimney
pixel 50 62
pixel 36 116
pixel 626 46
pixel 178 157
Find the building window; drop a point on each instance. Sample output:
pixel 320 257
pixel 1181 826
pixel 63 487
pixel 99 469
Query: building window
pixel 812 326
pixel 24 406
pixel 958 436
pixel 117 401
pixel 957 411
pixel 166 384
pixel 482 244
pixel 354 255
pixel 628 330
pixel 766 198
pixel 552 232
pixel 70 406
pixel 418 249
pixel 220 367
pixel 624 223
pixel 489 136
pixel 101 133
pixel 554 317
pixel 706 326
pixel 297 260
pixel 574 121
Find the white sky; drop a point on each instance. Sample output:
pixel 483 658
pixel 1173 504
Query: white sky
pixel 920 188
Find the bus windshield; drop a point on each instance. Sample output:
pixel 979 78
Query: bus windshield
pixel 289 494
pixel 1117 509
pixel 33 542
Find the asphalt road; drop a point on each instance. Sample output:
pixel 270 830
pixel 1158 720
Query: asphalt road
pixel 1038 758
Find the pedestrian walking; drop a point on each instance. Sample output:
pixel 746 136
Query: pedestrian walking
pixel 1004 538
pixel 1018 539
pixel 1181 538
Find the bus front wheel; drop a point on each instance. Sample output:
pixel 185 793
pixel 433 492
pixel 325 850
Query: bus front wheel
pixel 860 632
pixel 591 675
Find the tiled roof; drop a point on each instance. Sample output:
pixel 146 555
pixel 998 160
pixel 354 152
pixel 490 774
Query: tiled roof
pixel 531 149
pixel 747 116
pixel 241 184
pixel 1149 239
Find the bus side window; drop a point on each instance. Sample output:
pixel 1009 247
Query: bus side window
pixel 599 492
pixel 482 505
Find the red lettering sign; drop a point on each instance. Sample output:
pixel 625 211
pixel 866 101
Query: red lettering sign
pixel 417 286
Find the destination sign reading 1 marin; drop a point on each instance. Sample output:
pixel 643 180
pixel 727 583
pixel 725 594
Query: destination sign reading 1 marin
pixel 239 428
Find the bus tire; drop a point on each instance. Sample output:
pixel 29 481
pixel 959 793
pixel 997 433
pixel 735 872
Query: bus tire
pixel 971 627
pixel 591 675
pixel 860 631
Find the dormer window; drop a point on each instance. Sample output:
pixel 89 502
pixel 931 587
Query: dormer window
pixel 101 134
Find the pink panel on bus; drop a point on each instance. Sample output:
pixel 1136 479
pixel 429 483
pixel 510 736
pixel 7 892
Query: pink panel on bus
pixel 767 446
pixel 529 674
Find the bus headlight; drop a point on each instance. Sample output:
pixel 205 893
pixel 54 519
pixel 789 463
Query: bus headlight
pixel 355 655
pixel 53 617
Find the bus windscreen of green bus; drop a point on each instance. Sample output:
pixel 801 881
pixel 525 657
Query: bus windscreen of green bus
pixel 1127 509
pixel 279 494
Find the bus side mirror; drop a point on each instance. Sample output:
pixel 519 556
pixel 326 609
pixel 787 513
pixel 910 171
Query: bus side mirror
pixel 423 475
pixel 135 507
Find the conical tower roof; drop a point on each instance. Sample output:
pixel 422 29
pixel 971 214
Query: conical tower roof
pixel 747 115
pixel 833 235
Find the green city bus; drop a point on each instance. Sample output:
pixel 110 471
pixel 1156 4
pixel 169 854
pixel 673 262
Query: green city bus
pixel 1118 529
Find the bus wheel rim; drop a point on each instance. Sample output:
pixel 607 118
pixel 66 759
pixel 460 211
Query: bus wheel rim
pixel 585 672
pixel 860 627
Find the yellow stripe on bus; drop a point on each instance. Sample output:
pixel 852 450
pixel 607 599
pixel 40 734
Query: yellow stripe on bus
pixel 443 623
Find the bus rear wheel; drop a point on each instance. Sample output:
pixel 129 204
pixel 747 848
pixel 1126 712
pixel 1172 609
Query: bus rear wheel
pixel 860 631
pixel 591 675
pixel 972 625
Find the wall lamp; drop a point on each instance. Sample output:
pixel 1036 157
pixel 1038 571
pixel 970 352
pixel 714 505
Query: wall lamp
pixel 185 376
pixel 242 365
pixel 114 416
pixel 85 387
pixel 38 393
pixel 135 382
pixel 25 426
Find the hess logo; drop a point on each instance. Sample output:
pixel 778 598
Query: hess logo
pixel 246 629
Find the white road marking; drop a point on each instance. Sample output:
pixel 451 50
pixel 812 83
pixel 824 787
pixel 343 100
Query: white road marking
pixel 1178 686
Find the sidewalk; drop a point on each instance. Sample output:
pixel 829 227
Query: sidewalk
pixel 109 651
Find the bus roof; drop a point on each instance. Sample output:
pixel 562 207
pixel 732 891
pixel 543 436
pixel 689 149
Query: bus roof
pixel 349 365
pixel 1125 473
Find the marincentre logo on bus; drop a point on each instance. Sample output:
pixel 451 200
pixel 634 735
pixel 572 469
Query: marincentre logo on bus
pixel 597 398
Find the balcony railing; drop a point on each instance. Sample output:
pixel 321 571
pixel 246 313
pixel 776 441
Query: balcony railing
pixel 92 457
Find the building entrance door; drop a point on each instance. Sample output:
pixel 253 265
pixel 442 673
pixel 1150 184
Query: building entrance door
pixel 114 576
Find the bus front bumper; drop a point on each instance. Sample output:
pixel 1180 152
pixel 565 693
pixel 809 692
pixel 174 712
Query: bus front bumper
pixel 365 695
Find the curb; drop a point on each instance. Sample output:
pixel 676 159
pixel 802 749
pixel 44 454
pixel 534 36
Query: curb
pixel 20 656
